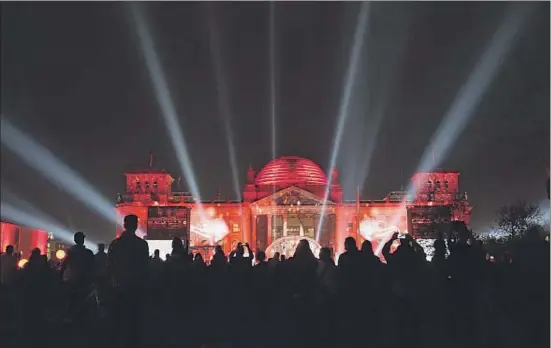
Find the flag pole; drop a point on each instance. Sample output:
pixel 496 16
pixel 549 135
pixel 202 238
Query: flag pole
pixel 358 211
pixel 433 156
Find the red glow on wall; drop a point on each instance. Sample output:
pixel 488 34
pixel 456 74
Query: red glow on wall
pixel 289 170
pixel 24 239
pixel 40 240
pixel 7 235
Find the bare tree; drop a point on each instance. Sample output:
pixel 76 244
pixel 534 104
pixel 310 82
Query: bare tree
pixel 517 218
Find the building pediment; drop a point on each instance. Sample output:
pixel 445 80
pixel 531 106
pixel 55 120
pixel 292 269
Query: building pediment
pixel 293 196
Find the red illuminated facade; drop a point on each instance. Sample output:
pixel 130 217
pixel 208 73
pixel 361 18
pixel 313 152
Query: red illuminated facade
pixel 24 239
pixel 283 203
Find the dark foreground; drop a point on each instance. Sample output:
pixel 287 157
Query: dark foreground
pixel 461 301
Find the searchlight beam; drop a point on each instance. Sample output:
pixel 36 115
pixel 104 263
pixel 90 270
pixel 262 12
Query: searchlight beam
pixel 350 78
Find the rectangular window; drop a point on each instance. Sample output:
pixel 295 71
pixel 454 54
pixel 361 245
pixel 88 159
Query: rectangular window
pixel 235 228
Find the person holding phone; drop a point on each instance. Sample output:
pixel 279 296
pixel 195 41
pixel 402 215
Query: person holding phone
pixel 238 260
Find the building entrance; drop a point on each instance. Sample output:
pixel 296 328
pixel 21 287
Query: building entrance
pixel 287 246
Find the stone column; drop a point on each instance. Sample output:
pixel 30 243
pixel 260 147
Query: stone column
pixel 270 228
pixel 284 224
pixel 246 224
pixel 340 230
pixel 252 239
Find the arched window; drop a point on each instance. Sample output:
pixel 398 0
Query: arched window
pixel 437 185
pixel 446 185
pixel 154 184
pixel 429 185
pixel 147 185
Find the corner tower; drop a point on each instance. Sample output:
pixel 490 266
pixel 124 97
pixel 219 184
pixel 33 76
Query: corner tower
pixel 144 188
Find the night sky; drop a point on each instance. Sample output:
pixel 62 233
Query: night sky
pixel 74 78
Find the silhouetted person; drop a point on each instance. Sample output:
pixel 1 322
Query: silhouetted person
pixel 156 255
pixel 261 290
pixel 219 258
pixel 272 262
pixel 260 271
pixel 530 269
pixel 101 273
pixel 260 259
pixel 350 272
pixel 327 271
pixel 370 259
pixel 178 249
pixel 304 267
pixel 37 265
pixel 78 271
pixel 8 266
pixel 177 265
pixel 351 258
pixel 78 266
pixel 128 261
pixel 240 263
pixel 199 262
pixel 156 273
pixel 350 267
pixel 36 278
pixel 9 304
pixel 372 270
pixel 100 260
pixel 303 285
pixel 156 264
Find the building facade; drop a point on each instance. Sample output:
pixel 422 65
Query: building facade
pixel 283 203
pixel 24 239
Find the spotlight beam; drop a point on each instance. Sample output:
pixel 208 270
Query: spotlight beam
pixel 23 205
pixel 470 94
pixel 350 78
pixel 41 159
pixel 272 58
pixel 370 137
pixel 162 93
pixel 223 99
pixel 371 133
pixel 11 213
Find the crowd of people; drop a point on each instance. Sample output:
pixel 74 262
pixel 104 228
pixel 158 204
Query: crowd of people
pixel 126 298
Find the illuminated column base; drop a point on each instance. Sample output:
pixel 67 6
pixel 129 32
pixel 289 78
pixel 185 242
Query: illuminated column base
pixel 340 231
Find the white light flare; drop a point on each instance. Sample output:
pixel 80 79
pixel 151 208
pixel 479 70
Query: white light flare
pixel 544 208
pixel 168 110
pixel 224 106
pixel 11 213
pixel 41 159
pixel 349 84
pixel 470 95
pixel 273 96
